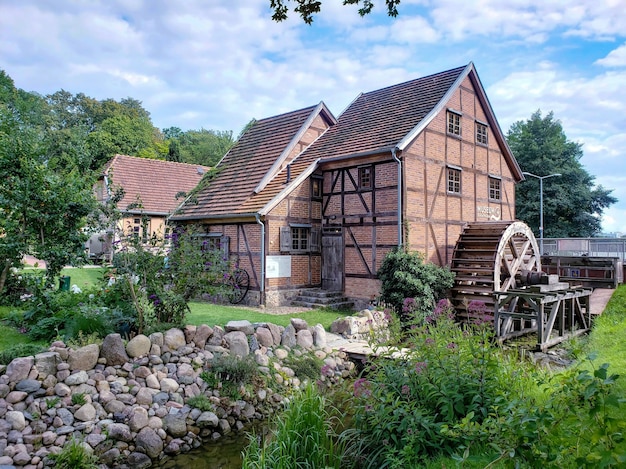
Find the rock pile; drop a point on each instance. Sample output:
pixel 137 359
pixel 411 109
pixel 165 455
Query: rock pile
pixel 128 402
pixel 367 325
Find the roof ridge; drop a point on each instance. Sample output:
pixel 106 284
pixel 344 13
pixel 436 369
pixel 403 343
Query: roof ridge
pixel 118 155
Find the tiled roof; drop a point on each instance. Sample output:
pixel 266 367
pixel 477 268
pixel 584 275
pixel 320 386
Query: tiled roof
pixel 380 119
pixel 375 122
pixel 245 165
pixel 154 182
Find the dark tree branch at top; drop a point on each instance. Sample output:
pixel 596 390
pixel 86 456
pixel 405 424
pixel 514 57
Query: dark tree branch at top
pixel 307 8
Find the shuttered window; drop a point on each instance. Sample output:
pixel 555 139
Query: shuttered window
pixel 299 239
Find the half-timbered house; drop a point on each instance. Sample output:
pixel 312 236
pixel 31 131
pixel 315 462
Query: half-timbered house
pixel 307 200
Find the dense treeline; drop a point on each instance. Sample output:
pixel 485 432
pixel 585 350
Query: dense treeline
pixel 83 133
pixel 52 149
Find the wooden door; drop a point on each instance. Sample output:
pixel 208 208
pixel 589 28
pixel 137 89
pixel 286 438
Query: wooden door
pixel 332 261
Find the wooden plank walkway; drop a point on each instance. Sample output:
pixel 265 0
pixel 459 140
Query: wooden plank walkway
pixel 599 299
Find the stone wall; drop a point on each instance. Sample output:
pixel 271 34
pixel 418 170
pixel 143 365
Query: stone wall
pixel 135 407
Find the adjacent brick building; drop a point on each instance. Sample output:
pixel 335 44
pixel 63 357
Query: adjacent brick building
pixel 150 188
pixel 305 199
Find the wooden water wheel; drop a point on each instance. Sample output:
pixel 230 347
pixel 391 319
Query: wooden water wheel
pixel 492 256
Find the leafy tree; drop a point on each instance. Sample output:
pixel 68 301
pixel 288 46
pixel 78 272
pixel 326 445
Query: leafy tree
pixel 203 147
pixel 44 213
pixel 307 8
pixel 572 205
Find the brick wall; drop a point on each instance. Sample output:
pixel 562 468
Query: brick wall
pixel 435 217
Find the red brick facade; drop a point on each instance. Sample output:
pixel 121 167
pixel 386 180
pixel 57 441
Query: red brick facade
pixel 438 134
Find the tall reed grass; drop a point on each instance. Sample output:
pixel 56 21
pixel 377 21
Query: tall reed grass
pixel 302 438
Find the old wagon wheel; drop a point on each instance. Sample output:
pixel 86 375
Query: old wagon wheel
pixel 491 256
pixel 239 280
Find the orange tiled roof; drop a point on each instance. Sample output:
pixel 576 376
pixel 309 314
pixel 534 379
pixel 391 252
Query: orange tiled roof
pixel 245 165
pixel 154 182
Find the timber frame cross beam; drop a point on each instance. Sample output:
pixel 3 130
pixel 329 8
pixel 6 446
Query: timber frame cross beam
pixel 555 315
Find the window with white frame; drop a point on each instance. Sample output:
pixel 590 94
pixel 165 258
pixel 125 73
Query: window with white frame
pixel 454 180
pixel 494 188
pixel 454 123
pixel 481 133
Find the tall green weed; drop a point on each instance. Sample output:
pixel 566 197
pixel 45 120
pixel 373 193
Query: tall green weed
pixel 302 439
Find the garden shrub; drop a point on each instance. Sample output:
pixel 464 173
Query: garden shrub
pixel 403 405
pixel 230 374
pixel 456 394
pixel 304 366
pixel 405 275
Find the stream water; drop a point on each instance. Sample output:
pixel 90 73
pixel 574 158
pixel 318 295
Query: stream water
pixel 224 453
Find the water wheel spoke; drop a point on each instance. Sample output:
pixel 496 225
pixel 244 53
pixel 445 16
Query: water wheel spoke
pixel 508 247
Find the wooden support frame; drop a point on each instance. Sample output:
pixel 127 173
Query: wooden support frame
pixel 554 315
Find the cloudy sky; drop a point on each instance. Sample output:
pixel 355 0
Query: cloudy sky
pixel 215 64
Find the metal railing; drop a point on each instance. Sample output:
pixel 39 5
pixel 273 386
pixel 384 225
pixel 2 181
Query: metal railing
pixel 592 247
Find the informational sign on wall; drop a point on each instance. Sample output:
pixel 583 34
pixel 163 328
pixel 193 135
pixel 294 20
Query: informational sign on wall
pixel 277 266
pixel 492 213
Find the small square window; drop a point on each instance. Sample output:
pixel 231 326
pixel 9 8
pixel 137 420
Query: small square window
pixel 454 181
pixel 316 187
pixel 481 133
pixel 300 239
pixel 494 189
pixel 366 174
pixel 454 123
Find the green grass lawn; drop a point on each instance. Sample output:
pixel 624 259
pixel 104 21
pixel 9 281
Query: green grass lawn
pixel 608 337
pixel 83 277
pixel 212 314
pixel 10 336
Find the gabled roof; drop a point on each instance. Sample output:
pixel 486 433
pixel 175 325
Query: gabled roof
pixel 255 176
pixel 154 182
pixel 251 164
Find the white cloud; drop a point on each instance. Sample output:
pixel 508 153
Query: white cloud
pixel 217 64
pixel 616 58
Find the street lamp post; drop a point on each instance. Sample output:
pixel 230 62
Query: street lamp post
pixel 541 178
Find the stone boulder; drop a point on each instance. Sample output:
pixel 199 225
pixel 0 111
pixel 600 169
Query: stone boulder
pixel 175 425
pixel 174 339
pixel 113 350
pixel 319 336
pixel 148 440
pixel 201 336
pixel 304 339
pixel 288 338
pixel 299 324
pixel 244 326
pixel 237 343
pixel 84 358
pixel 46 363
pixel 264 336
pixel 138 346
pixel 19 368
